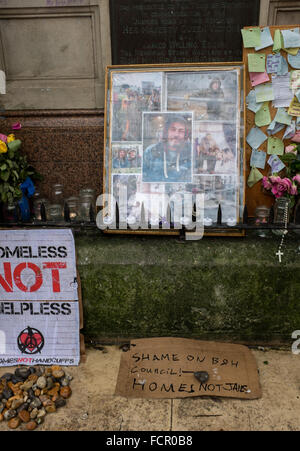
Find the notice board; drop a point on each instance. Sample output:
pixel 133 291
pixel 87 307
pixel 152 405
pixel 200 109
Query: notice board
pixel 255 196
pixel 39 298
pixel 176 31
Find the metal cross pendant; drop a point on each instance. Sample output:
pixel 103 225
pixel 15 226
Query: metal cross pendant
pixel 279 253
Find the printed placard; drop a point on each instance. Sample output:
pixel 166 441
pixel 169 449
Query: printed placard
pixel 39 333
pixel 38 265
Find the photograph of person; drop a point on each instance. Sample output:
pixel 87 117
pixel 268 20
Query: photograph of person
pixel 214 149
pixel 211 95
pixel 132 94
pixel 126 158
pixel 167 147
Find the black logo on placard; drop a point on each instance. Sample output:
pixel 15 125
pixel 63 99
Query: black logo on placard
pixel 30 341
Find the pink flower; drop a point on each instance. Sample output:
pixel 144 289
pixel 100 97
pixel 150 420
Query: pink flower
pixel 16 126
pixel 296 178
pixel 281 187
pixel 265 183
pixel 275 179
pixel 294 190
pixel 3 138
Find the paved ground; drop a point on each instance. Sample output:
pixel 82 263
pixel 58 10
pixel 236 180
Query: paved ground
pixel 93 405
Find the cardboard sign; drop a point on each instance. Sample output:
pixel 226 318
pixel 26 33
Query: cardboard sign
pixel 37 265
pixel 39 333
pixel 165 367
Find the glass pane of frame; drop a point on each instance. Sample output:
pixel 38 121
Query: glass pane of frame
pixel 172 132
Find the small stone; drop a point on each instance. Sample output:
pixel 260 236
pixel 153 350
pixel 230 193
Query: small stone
pixel 39 371
pixel 41 382
pixel 2 406
pixel 201 376
pixel 10 414
pixel 35 403
pixel 68 376
pixel 49 383
pixel 47 402
pixel 24 416
pixel 16 379
pixel 1 417
pixel 65 392
pixel 17 403
pixel 60 402
pixel 33 413
pixel 7 377
pixel 23 406
pixel 7 393
pixel 64 382
pixel 51 408
pixel 59 373
pixel 14 423
pixel 22 372
pixel 33 377
pixel 37 392
pixel 31 425
pixel 48 372
pixel 27 385
pixel 41 413
pixel 32 369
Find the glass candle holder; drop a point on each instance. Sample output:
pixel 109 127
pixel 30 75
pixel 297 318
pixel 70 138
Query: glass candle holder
pixel 262 215
pixel 84 206
pixel 72 203
pixel 58 193
pixel 55 212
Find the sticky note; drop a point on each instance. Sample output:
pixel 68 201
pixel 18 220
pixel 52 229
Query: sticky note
pixel 292 51
pixel 298 123
pixel 274 128
pixel 256 62
pixel 295 80
pixel 278 41
pixel 254 177
pixel 282 68
pixel 266 39
pixel 263 117
pixel 273 63
pixel 294 109
pixel 255 138
pixel 283 95
pixel 251 102
pixel 264 92
pixel 276 164
pixel 251 37
pixel 290 130
pixel 297 94
pixel 283 117
pixel 258 159
pixel 275 146
pixel 2 82
pixel 291 38
pixel 294 60
pixel 256 78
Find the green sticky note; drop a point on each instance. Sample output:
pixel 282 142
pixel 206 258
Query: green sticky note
pixel 263 116
pixel 264 92
pixel 251 37
pixel 14 145
pixel 283 117
pixel 278 41
pixel 275 146
pixel 254 177
pixel 256 62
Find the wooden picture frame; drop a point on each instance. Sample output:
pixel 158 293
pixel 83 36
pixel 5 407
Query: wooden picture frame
pixel 174 129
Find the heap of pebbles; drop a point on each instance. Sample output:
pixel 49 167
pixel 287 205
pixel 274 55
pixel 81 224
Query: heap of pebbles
pixel 28 394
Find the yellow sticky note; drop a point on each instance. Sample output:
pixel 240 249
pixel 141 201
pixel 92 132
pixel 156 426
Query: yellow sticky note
pixel 251 37
pixel 254 177
pixel 263 117
pixel 278 41
pixel 256 62
pixel 275 146
pixel 291 51
pixel 294 108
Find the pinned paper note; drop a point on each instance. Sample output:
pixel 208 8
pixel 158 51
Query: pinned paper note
pixel 282 68
pixel 294 109
pixel 290 131
pixel 273 63
pixel 278 41
pixel 291 51
pixel 263 117
pixel 294 60
pixel 2 82
pixel 274 128
pixel 276 164
pixel 255 138
pixel 251 102
pixel 264 92
pixel 283 117
pixel 295 80
pixel 291 38
pixel 283 95
pixel 256 78
pixel 256 62
pixel 251 37
pixel 298 123
pixel 254 177
pixel 266 39
pixel 258 159
pixel 275 146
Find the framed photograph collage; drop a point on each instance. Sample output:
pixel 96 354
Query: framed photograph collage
pixel 174 130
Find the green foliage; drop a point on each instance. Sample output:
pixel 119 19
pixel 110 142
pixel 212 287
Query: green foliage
pixel 14 169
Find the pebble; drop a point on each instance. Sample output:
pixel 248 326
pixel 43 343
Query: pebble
pixel 60 402
pixel 58 374
pixel 2 406
pixel 51 408
pixel 7 393
pixel 64 382
pixel 31 425
pixel 24 416
pixel 201 376
pixel 65 392
pixel 27 385
pixel 23 406
pixel 17 403
pixel 41 413
pixel 23 372
pixel 14 423
pixel 33 413
pixel 35 403
pixel 7 377
pixel 10 414
pixel 41 382
pixel 1 417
